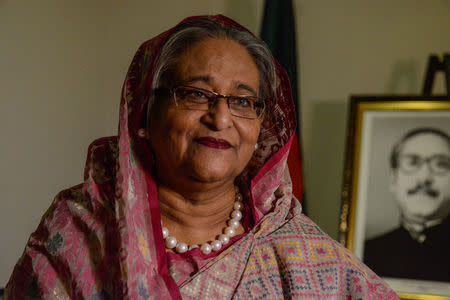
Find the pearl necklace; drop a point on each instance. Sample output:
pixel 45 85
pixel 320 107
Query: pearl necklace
pixel 217 244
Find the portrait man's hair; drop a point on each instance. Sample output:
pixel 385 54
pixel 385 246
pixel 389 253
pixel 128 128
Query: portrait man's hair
pixel 417 131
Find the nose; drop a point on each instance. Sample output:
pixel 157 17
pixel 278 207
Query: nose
pixel 425 172
pixel 218 116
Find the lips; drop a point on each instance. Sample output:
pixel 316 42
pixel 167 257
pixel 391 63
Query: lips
pixel 213 142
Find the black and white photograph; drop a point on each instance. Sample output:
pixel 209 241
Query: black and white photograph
pixel 400 191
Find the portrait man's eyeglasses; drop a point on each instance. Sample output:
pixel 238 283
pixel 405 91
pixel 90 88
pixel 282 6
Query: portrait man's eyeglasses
pixel 438 164
pixel 248 107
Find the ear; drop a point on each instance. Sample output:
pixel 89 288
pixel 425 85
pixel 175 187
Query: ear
pixel 393 178
pixel 262 118
pixel 143 133
pixel 265 121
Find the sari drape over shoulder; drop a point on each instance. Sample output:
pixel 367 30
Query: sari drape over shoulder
pixel 102 239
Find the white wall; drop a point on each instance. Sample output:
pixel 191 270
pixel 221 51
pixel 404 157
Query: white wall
pixel 62 65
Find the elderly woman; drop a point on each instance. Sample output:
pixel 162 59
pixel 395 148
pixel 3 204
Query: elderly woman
pixel 193 198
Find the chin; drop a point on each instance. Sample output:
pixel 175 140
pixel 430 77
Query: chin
pixel 213 174
pixel 211 178
pixel 211 169
pixel 423 212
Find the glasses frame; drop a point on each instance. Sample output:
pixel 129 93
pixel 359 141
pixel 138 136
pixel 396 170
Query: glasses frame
pixel 213 98
pixel 423 160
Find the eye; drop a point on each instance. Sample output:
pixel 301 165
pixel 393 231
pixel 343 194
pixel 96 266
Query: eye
pixel 196 96
pixel 442 162
pixel 242 102
pixel 413 160
pixel 410 162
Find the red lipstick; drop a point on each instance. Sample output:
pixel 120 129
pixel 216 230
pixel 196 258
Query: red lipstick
pixel 213 143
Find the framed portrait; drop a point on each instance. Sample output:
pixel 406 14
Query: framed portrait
pixel 396 191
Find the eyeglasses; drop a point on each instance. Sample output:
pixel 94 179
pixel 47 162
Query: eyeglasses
pixel 192 98
pixel 438 164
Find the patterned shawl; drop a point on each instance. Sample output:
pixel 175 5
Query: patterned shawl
pixel 102 239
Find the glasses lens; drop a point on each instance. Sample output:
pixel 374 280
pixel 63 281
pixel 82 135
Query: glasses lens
pixel 199 99
pixel 440 164
pixel 246 107
pixel 410 163
pixel 191 98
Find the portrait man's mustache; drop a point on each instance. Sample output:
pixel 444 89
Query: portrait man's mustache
pixel 426 188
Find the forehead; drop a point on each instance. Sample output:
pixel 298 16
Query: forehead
pixel 218 62
pixel 426 144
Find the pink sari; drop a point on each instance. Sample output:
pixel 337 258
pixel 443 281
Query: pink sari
pixel 102 239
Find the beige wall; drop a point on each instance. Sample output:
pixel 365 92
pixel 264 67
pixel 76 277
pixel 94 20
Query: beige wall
pixel 62 66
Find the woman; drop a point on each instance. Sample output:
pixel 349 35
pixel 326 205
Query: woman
pixel 193 199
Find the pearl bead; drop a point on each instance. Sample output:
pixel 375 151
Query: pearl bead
pixel 165 232
pixel 192 247
pixel 181 247
pixel 225 239
pixel 238 205
pixel 233 223
pixel 236 214
pixel 216 245
pixel 230 231
pixel 171 242
pixel 206 248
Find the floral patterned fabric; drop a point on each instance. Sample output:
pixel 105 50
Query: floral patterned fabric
pixel 102 239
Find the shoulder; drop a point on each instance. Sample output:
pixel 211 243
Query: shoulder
pixel 391 239
pixel 69 245
pixel 442 230
pixel 315 263
pixel 76 242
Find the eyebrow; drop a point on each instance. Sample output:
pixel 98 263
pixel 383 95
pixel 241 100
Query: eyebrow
pixel 201 78
pixel 242 86
pixel 207 79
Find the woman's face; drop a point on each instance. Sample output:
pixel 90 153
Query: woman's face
pixel 206 146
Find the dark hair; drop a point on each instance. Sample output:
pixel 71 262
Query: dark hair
pixel 417 131
pixel 191 32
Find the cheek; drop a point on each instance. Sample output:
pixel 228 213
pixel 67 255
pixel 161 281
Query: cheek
pixel 406 182
pixel 401 188
pixel 248 138
pixel 442 184
pixel 179 130
pixel 249 132
pixel 171 133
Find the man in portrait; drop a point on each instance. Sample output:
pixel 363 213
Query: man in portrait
pixel 420 184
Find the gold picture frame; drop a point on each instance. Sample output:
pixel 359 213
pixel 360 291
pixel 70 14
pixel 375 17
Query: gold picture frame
pixel 369 137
